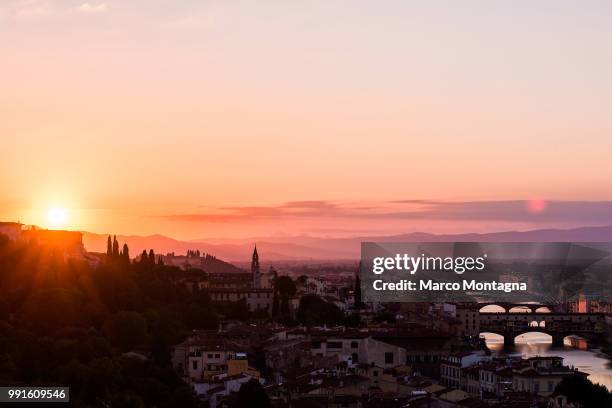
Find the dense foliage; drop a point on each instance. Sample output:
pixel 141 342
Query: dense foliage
pixel 66 321
pixel 579 389
pixel 315 311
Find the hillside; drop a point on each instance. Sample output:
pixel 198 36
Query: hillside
pixel 315 248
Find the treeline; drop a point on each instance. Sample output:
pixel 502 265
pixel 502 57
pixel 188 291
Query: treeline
pixel 66 322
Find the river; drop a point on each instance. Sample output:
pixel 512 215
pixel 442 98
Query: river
pixel 538 344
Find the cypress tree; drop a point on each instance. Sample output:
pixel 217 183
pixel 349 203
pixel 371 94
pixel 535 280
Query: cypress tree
pixel 115 247
pixel 109 247
pixel 125 253
pixel 357 291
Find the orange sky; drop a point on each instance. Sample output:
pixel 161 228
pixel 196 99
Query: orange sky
pixel 157 117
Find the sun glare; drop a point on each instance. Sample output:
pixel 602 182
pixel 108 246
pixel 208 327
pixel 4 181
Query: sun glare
pixel 57 217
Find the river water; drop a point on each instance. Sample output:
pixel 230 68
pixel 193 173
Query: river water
pixel 597 366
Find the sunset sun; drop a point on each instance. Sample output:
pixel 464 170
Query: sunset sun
pixel 57 217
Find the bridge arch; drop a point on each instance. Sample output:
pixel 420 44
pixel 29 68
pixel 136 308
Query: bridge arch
pixel 493 341
pixel 542 336
pixel 499 341
pixel 520 309
pixel 492 308
pixel 543 309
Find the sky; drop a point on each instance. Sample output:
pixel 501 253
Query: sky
pixel 224 119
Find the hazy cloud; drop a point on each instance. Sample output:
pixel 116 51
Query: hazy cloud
pixel 37 9
pixel 89 8
pixel 585 212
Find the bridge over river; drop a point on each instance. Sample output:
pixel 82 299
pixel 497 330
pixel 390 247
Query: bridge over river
pixel 558 325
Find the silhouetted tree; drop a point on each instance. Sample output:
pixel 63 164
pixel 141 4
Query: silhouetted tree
pixel 357 300
pixel 251 394
pixel 160 350
pixel 126 330
pixel 151 257
pixel 125 253
pixel 109 247
pixel 284 288
pixel 314 311
pixel 578 388
pixel 284 307
pixel 115 247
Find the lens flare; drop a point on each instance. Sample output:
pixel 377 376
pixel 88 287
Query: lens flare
pixel 536 206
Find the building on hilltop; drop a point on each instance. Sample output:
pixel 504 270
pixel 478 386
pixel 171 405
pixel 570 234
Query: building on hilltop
pixel 68 242
pixel 235 287
pixel 11 229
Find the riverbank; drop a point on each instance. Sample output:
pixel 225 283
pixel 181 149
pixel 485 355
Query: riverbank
pixel 594 362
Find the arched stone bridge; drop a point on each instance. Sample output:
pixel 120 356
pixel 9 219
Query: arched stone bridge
pixel 557 325
pixel 507 306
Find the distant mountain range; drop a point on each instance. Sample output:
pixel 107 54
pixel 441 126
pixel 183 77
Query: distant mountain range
pixel 316 248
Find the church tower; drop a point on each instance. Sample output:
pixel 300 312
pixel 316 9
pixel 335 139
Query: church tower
pixel 255 269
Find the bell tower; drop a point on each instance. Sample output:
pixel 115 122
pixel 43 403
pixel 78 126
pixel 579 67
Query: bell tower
pixel 255 269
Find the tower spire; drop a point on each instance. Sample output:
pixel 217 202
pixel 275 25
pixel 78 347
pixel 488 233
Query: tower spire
pixel 255 269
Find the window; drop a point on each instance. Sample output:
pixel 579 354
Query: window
pixel 334 344
pixel 375 372
pixel 210 356
pixel 217 355
pixel 194 364
pixel 389 358
pixel 354 344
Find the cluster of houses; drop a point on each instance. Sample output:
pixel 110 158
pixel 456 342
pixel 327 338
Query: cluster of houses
pixel 385 366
